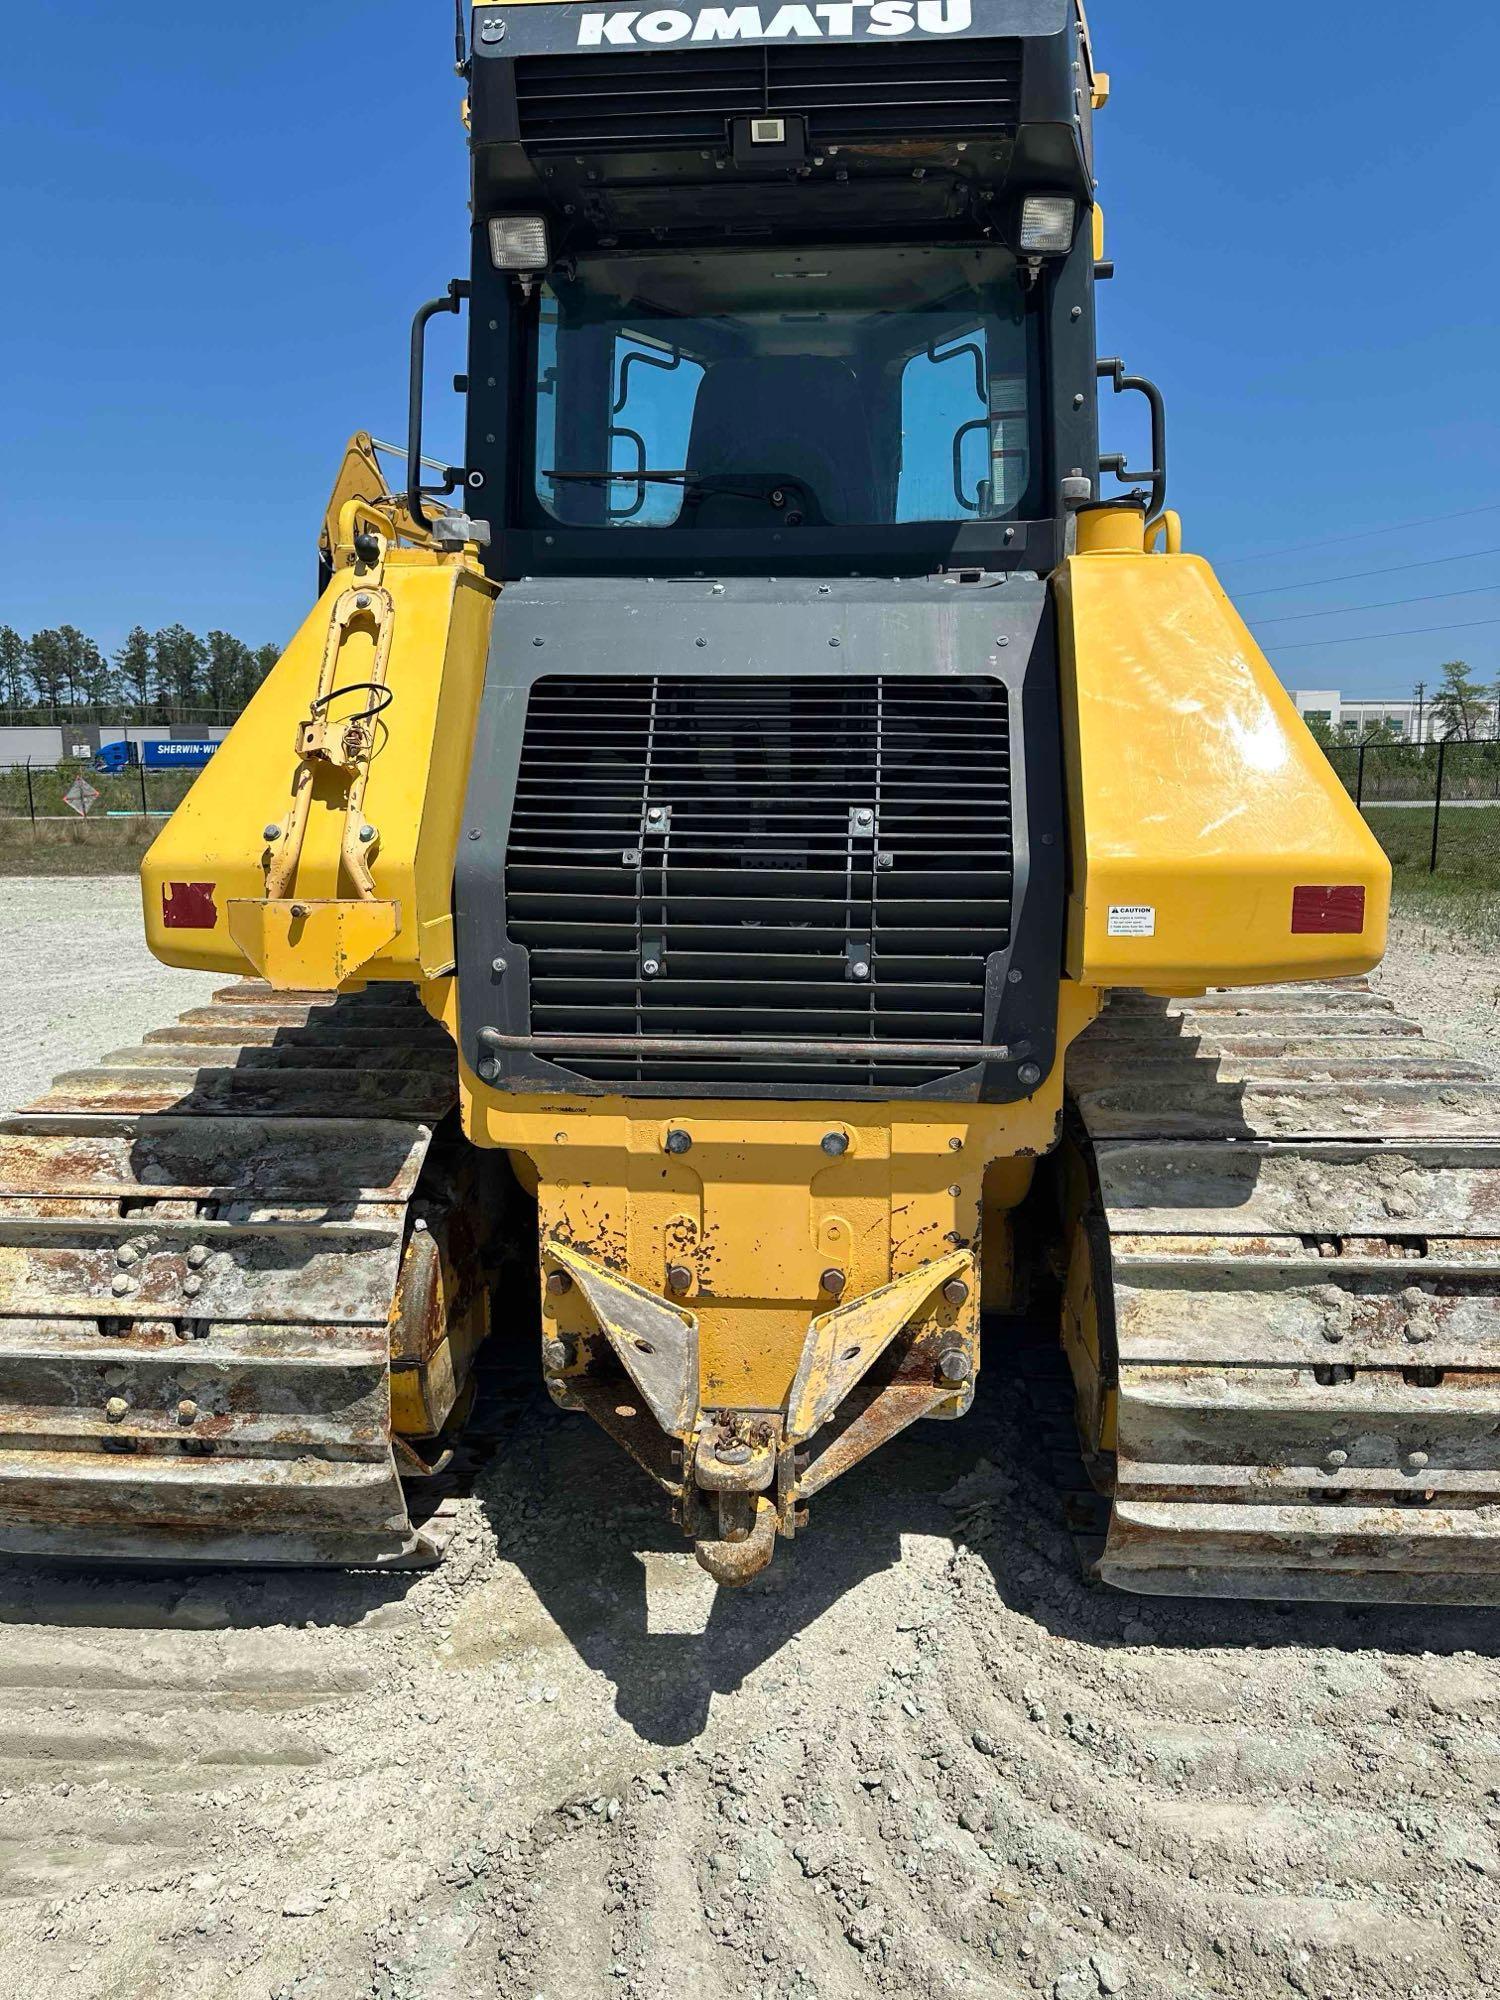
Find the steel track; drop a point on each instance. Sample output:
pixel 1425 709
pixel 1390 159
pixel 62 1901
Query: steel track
pixel 1302 1200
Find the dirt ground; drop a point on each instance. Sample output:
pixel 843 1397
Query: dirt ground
pixel 920 1758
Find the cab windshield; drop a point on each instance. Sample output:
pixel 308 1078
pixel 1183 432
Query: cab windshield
pixel 746 388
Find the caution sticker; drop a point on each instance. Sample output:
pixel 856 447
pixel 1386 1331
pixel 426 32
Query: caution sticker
pixel 1132 920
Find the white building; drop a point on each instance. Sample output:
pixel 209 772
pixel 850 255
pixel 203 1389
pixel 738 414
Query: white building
pixel 1413 721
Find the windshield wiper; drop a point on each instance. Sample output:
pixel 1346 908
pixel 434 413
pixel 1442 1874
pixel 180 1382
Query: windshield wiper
pixel 627 478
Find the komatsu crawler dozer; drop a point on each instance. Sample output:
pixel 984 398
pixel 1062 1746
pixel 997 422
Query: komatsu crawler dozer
pixel 756 853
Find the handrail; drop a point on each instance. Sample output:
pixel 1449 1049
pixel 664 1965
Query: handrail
pixel 452 299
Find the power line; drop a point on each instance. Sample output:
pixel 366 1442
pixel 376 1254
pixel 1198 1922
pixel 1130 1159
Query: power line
pixel 1375 638
pixel 1360 575
pixel 1368 534
pixel 1387 604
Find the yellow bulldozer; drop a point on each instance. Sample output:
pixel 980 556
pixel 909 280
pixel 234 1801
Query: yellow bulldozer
pixel 731 890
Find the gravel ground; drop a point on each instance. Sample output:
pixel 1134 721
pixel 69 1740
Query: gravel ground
pixel 919 1758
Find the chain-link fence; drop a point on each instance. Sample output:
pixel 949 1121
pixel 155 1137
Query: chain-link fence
pixel 1438 779
pixel 41 793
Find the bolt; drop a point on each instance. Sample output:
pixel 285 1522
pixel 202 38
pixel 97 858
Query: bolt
pixel 419 1224
pixel 864 818
pixel 1333 1335
pixel 555 1354
pixel 497 965
pixel 559 1282
pixel 192 1287
pixel 678 1141
pixel 1417 1460
pixel 119 1285
pixel 1337 1457
pixel 539 641
pixel 956 1293
pixel 835 642
pixel 116 1409
pixel 651 967
pixel 197 1257
pixel 272 832
pixel 955 1365
pixel 1014 978
pixel 126 1255
pixel 1030 1075
pixel 679 1278
pixel 1003 639
pixel 860 969
pixel 489 1069
pixel 656 816
pixel 367 834
pixel 187 1409
pixel 474 832
pixel 836 1144
pixel 700 642
pixel 362 602
pixel 833 1282
pixel 1416 1333
pixel 731 1452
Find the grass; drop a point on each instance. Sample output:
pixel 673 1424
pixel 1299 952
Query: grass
pixel 74 846
pixel 1465 891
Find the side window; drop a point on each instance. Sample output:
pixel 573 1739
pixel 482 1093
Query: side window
pixel 964 432
pixel 651 420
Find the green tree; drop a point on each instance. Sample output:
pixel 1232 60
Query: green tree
pixel 180 659
pixel 96 674
pixel 47 652
pixel 1460 704
pixel 13 664
pixel 135 665
pixel 227 671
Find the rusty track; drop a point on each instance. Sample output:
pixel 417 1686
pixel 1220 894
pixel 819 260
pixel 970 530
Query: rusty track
pixel 199 1245
pixel 1303 1210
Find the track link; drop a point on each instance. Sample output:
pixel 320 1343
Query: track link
pixel 199 1246
pixel 1302 1203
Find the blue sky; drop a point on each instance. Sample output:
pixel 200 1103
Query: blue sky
pixel 218 221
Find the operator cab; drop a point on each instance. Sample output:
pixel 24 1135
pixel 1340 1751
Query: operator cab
pixel 769 290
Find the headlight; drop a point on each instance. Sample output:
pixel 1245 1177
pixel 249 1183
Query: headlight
pixel 518 242
pixel 1047 222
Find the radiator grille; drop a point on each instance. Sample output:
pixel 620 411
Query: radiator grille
pixel 758 841
pixel 683 97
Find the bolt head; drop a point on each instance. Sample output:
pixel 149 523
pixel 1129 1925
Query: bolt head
pixel 835 1144
pixel 834 1283
pixel 1337 1457
pixel 1418 1460
pixel 126 1255
pixel 860 969
pixel 1030 1075
pixel 119 1285
pixel 116 1409
pixel 679 1278
pixel 955 1365
pixel 366 834
pixel 956 1293
pixel 272 832
pixel 559 1282
pixel 197 1257
pixel 1417 1333
pixel 651 967
pixel 187 1409
pixel 497 965
pixel 679 1142
pixel 555 1354
pixel 1333 1335
pixel 192 1287
pixel 732 1452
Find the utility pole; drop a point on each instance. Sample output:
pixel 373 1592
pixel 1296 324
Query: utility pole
pixel 1421 694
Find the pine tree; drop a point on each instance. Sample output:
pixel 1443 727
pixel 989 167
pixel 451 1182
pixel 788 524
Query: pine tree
pixel 13 663
pixel 47 654
pixel 1459 703
pixel 136 667
pixel 180 659
pixel 227 674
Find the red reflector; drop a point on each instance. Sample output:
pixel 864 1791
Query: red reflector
pixel 1325 910
pixel 188 906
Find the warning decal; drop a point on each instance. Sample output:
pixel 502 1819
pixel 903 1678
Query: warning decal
pixel 1132 920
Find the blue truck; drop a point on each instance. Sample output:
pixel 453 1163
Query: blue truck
pixel 157 754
